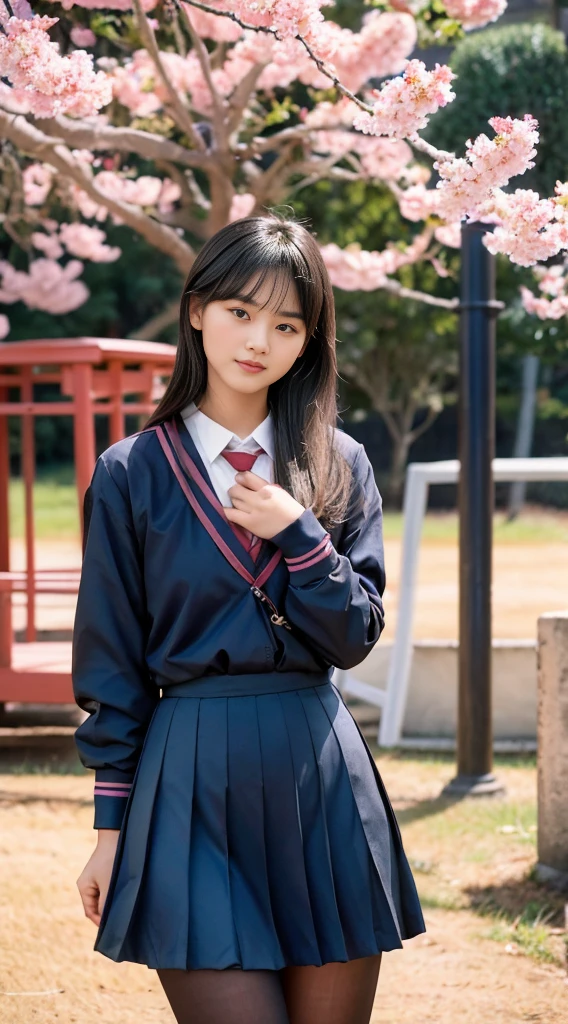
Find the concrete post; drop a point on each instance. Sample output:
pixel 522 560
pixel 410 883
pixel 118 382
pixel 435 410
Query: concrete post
pixel 552 727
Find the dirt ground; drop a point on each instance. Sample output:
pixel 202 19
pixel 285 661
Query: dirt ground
pixel 470 966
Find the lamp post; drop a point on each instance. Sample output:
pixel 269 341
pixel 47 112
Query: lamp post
pixel 478 311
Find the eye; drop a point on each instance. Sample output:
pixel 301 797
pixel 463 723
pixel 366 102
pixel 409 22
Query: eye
pixel 238 309
pixel 293 329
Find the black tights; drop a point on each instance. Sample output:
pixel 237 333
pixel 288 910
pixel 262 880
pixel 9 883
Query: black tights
pixel 336 993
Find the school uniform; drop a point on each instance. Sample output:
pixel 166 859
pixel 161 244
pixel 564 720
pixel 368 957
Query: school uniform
pixel 255 829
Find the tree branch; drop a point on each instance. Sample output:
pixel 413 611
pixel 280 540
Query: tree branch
pixel 82 135
pixel 427 422
pixel 241 94
pixel 425 147
pixel 390 285
pixel 203 58
pixel 179 110
pixel 41 147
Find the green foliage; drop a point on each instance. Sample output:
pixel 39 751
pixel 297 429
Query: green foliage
pixel 513 70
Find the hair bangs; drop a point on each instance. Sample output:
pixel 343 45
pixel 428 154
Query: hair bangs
pixel 278 261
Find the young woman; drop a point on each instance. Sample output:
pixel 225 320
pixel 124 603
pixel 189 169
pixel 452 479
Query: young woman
pixel 247 849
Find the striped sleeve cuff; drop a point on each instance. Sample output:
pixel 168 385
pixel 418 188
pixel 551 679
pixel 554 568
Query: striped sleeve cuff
pixel 307 548
pixel 112 789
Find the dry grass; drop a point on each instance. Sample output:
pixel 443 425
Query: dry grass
pixel 480 961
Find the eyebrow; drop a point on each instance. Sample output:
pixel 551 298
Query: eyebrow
pixel 279 312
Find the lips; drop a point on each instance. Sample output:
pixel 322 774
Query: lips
pixel 250 366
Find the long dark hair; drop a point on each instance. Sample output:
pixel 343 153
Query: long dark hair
pixel 303 402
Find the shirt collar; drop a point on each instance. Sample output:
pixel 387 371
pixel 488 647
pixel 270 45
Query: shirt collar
pixel 214 437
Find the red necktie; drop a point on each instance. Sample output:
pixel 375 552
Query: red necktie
pixel 243 461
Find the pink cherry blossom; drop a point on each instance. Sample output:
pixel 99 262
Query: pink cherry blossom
pixel 449 234
pixel 4 326
pixel 169 194
pixel 109 5
pixel 82 37
pixel 489 163
pixel 378 157
pixel 402 106
pixel 37 181
pixel 356 269
pixel 136 85
pixel 242 205
pixel 49 245
pixel 552 280
pixel 55 84
pixel 418 203
pixel 552 303
pixel 147 191
pixel 211 26
pixel 47 286
pixel 529 229
pixel 379 49
pixel 475 13
pixel 286 17
pixel 88 243
pixel 544 308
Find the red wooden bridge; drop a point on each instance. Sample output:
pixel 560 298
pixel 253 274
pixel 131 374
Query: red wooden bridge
pixel 95 376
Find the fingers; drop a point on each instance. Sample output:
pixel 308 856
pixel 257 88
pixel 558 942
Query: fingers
pixel 89 892
pixel 250 480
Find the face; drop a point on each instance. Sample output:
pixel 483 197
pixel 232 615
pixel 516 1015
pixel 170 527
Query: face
pixel 235 331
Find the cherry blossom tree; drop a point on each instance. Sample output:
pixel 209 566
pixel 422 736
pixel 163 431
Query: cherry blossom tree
pixel 184 120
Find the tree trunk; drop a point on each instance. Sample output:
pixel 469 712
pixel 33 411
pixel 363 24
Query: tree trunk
pixel 400 448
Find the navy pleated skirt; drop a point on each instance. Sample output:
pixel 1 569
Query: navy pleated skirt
pixel 258 834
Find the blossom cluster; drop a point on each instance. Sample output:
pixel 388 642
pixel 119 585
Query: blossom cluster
pixel 88 243
pixel 145 191
pixel 552 303
pixel 52 84
pixel 475 13
pixel 529 229
pixel 402 106
pixel 488 164
pixel 379 49
pixel 47 285
pixel 357 269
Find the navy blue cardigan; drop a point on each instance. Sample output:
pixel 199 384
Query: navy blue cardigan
pixel 161 602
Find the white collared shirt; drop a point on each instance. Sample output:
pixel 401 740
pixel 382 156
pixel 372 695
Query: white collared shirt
pixel 210 438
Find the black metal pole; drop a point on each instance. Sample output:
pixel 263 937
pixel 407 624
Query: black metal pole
pixel 478 310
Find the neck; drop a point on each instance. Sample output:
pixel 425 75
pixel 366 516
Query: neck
pixel 237 412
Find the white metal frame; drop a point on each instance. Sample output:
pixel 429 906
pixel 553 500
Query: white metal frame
pixel 419 477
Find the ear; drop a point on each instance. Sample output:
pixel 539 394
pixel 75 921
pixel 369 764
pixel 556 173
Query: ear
pixel 195 312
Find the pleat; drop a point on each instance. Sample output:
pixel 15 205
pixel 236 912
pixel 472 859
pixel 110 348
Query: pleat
pixel 131 852
pixel 315 840
pixel 163 923
pixel 372 803
pixel 258 834
pixel 349 860
pixel 250 889
pixel 286 869
pixel 213 941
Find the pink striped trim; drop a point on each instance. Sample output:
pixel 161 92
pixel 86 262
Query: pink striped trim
pixel 318 558
pixel 312 551
pixel 172 433
pixel 111 792
pixel 114 785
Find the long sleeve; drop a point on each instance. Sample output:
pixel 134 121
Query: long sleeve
pixel 334 596
pixel 110 676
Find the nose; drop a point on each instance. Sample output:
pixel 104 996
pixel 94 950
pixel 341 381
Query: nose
pixel 257 340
